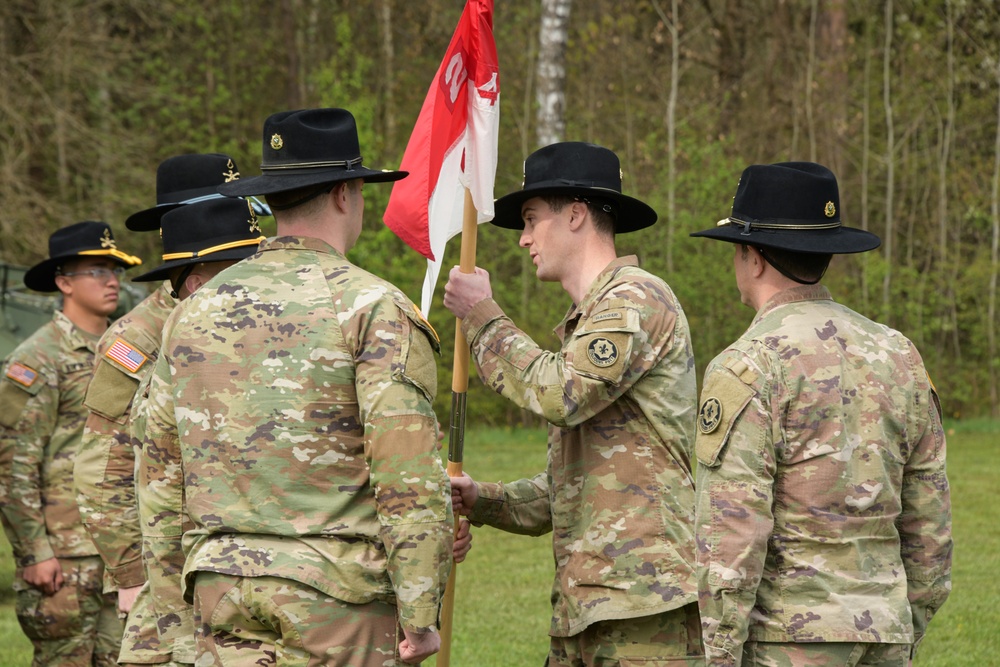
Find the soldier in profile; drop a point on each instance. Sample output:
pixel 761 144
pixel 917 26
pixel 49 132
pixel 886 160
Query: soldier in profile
pixel 289 420
pixel 61 605
pixel 620 399
pixel 824 519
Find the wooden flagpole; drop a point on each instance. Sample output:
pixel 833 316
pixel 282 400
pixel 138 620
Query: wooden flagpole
pixel 456 435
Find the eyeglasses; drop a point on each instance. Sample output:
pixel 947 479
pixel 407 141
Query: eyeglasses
pixel 99 273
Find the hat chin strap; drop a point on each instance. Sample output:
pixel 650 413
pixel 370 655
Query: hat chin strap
pixel 181 277
pixel 322 189
pixel 788 274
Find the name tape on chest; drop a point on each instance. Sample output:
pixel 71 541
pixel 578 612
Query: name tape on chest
pixel 22 374
pixel 126 356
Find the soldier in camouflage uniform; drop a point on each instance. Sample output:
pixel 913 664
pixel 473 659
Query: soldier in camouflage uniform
pixel 289 419
pixel 59 580
pixel 823 517
pixel 104 469
pixel 620 398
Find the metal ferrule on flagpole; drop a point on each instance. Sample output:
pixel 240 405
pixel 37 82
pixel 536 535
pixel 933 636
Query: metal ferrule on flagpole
pixel 456 433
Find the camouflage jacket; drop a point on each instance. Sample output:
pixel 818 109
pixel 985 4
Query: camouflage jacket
pixel 290 416
pixel 618 494
pixel 105 464
pixel 41 424
pixel 823 507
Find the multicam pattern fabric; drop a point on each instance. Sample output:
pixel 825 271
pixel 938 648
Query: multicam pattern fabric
pixel 40 433
pixel 823 507
pixel 78 626
pixel 40 430
pixel 289 416
pixel 105 470
pixel 618 494
pixel 105 464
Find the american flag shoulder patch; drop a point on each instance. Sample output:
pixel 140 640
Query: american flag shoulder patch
pixel 126 356
pixel 22 374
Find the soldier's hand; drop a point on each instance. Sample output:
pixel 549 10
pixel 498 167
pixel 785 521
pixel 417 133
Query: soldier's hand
pixel 418 645
pixel 464 494
pixel 463 540
pixel 46 576
pixel 464 290
pixel 126 598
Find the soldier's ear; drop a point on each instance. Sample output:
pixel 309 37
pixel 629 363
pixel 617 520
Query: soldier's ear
pixel 577 213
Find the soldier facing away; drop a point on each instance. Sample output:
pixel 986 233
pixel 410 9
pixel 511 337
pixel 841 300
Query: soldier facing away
pixel 197 244
pixel 61 606
pixel 824 519
pixel 289 418
pixel 620 398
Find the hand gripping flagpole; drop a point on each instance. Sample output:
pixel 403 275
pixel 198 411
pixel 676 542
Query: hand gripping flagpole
pixel 456 432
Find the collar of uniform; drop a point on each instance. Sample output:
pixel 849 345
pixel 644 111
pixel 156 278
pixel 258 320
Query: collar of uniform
pixel 596 289
pixel 793 295
pixel 77 337
pixel 298 243
pixel 166 293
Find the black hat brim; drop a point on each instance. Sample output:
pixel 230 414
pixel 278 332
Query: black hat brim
pixel 163 271
pixel 148 220
pixel 271 183
pixel 42 276
pixel 633 214
pixel 839 241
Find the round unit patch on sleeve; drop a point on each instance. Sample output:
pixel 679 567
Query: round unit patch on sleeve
pixel 602 352
pixel 710 415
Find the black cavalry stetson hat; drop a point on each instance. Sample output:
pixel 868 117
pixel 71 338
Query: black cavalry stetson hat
pixel 81 239
pixel 577 169
pixel 214 230
pixel 791 206
pixel 308 147
pixel 184 179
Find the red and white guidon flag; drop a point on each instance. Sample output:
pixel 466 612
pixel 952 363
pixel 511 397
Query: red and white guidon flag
pixel 453 145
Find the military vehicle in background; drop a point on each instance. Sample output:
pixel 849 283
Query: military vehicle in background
pixel 22 311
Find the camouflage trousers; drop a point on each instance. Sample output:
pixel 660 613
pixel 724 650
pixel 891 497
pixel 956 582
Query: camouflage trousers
pixel 670 639
pixel 76 627
pixel 260 621
pixel 141 644
pixel 825 654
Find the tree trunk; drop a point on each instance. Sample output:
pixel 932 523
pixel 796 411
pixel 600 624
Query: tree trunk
pixel 671 121
pixel 810 65
pixel 551 70
pixel 865 151
pixel 890 149
pixel 991 315
pixel 388 57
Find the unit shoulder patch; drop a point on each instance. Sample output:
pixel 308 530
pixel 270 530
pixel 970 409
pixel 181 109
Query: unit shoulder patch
pixel 126 355
pixel 725 398
pixel 602 352
pixel 710 415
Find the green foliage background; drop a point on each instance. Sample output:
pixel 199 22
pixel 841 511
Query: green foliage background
pixel 93 95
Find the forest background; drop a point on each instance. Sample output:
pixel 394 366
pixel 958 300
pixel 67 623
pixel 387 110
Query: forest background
pixel 901 98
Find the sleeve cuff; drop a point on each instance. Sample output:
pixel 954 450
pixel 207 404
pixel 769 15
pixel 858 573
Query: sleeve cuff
pixel 489 505
pixel 481 315
pixel 33 553
pixel 419 619
pixel 129 575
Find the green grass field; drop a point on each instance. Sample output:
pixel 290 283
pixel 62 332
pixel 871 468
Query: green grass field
pixel 502 595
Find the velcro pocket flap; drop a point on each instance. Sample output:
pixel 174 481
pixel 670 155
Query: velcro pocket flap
pixel 419 361
pixel 723 400
pixel 602 345
pixel 18 384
